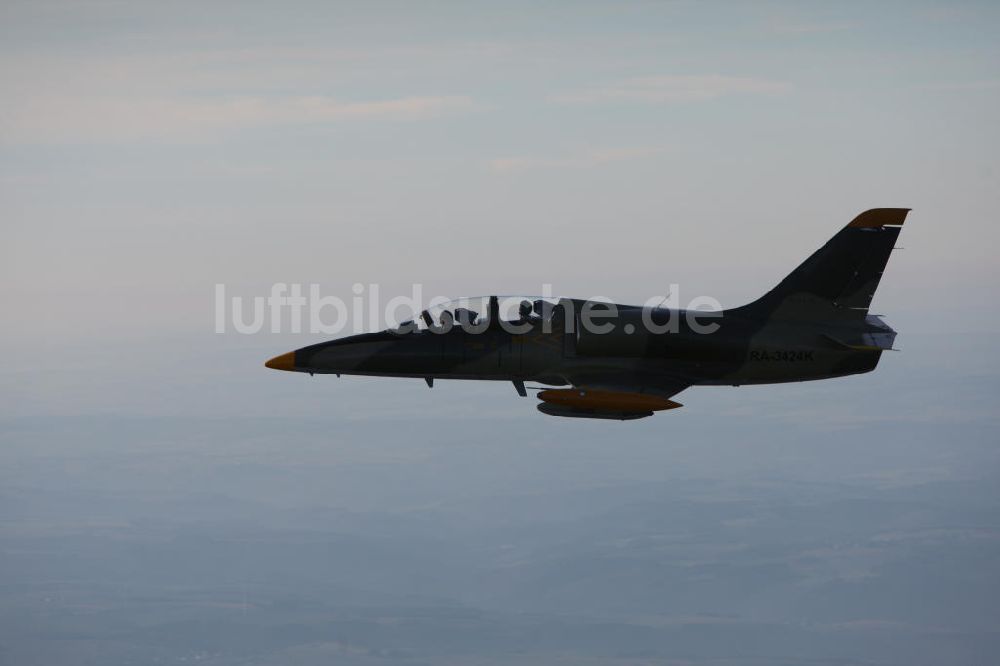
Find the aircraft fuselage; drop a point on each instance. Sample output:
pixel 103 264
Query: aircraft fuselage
pixel 737 351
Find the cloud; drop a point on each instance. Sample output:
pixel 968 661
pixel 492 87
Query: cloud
pixel 585 160
pixel 665 89
pixel 83 118
pixel 54 97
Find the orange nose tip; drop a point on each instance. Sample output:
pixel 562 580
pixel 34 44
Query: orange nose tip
pixel 283 362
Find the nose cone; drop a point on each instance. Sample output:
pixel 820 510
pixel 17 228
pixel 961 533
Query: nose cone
pixel 283 362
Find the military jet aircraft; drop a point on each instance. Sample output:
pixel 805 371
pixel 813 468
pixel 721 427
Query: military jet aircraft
pixel 608 361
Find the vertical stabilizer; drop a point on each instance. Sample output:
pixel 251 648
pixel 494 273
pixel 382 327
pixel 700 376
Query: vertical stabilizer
pixel 839 280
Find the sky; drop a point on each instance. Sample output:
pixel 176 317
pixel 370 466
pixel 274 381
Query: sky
pixel 151 151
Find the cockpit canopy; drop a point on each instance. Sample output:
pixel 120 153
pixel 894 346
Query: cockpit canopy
pixel 474 312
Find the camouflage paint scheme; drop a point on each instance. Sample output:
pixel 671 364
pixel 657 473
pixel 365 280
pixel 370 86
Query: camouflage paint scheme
pixel 813 325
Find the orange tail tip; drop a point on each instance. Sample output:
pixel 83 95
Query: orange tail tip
pixel 880 217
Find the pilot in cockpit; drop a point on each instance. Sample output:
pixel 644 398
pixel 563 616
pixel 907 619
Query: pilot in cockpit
pixel 465 317
pixel 446 320
pixel 525 310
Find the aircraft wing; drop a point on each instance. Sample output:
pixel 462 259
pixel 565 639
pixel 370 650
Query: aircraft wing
pixel 619 396
pixel 663 386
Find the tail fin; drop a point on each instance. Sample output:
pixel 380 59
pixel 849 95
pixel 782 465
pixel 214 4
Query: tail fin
pixel 839 280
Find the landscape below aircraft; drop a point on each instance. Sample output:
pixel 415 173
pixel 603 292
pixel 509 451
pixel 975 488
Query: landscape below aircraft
pixel 633 360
